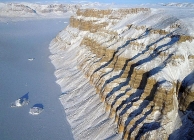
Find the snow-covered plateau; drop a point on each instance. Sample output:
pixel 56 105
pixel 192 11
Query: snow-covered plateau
pixel 128 73
pixel 25 10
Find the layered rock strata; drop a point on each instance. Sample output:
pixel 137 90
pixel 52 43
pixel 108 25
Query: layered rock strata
pixel 138 62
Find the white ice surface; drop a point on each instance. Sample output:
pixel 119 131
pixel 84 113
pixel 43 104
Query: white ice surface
pixel 19 103
pixel 35 110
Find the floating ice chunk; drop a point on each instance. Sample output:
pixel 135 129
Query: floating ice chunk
pixel 21 101
pixel 36 109
pixel 31 59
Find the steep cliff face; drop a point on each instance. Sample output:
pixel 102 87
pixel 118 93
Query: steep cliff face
pixel 138 62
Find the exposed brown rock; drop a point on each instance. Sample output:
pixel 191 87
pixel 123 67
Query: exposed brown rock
pixel 184 38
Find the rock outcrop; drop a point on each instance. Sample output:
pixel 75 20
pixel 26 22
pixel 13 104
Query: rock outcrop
pixel 140 63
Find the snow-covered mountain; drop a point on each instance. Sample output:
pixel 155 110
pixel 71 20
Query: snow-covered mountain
pixel 35 10
pixel 25 9
pixel 187 5
pixel 127 73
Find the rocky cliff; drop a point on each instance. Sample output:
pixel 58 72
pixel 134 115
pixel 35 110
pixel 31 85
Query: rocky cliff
pixel 127 73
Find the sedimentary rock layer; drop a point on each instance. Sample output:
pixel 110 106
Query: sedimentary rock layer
pixel 138 62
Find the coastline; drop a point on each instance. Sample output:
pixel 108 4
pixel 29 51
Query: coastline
pixel 85 112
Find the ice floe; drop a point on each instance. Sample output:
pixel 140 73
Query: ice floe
pixel 36 109
pixel 31 59
pixel 21 101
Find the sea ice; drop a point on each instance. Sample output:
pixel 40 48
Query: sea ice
pixel 21 101
pixel 31 59
pixel 36 109
pixel 19 75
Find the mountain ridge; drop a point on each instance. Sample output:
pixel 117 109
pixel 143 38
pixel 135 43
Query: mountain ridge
pixel 25 9
pixel 139 62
